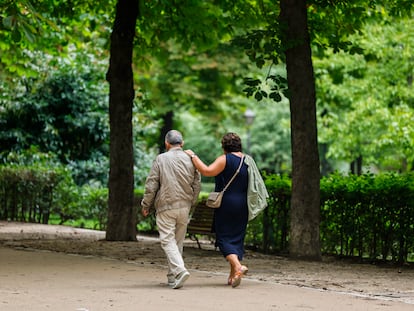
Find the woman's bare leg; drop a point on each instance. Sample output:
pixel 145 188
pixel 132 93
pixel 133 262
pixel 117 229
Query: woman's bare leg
pixel 235 266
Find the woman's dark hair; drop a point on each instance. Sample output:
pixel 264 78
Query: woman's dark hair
pixel 231 142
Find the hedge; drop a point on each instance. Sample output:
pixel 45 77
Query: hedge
pixel 368 216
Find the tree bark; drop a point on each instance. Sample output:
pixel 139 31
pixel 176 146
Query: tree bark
pixel 121 224
pixel 304 241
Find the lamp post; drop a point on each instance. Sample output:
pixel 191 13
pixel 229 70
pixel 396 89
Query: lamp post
pixel 249 116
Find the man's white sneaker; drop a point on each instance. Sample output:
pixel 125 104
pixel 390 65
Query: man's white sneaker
pixel 180 280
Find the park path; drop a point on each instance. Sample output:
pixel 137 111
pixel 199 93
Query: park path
pixel 36 280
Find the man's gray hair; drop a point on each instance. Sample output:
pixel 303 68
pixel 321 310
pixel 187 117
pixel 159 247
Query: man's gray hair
pixel 174 137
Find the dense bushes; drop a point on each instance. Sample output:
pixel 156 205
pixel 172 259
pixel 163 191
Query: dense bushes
pixel 63 111
pixel 27 193
pixel 368 216
pixel 43 195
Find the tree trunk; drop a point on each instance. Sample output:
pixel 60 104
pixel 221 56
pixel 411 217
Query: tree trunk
pixel 121 224
pixel 356 166
pixel 304 241
pixel 168 121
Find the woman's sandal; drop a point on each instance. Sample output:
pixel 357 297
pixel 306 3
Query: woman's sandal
pixel 238 276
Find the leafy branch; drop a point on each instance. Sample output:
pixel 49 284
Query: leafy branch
pixel 274 87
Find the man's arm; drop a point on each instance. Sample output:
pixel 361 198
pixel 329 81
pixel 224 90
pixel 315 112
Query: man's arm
pixel 152 185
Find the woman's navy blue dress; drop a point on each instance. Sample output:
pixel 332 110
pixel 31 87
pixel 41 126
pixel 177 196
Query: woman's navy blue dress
pixel 230 219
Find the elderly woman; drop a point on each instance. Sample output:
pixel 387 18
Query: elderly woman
pixel 230 219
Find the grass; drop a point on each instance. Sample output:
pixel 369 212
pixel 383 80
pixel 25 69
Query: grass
pixel 77 223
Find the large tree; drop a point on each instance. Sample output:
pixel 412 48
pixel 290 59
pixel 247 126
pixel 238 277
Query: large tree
pixel 121 210
pixel 305 206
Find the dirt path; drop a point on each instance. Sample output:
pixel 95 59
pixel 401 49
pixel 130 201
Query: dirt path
pixel 62 268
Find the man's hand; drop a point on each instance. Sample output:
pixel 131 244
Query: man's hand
pixel 145 212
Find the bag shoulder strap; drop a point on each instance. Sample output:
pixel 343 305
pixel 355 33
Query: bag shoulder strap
pixel 234 176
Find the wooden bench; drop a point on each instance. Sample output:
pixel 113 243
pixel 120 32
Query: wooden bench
pixel 200 222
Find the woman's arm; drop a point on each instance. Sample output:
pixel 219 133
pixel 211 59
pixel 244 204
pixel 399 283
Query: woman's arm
pixel 213 169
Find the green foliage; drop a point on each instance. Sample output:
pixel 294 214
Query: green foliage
pixel 368 216
pixel 263 47
pixel 365 100
pixel 64 111
pixel 330 26
pixel 94 203
pixel 40 191
pixel 195 24
pixel 28 192
pixel 20 19
pixel 142 166
pixel 52 27
pixel 270 138
pixel 30 157
pixel 203 84
pixel 276 84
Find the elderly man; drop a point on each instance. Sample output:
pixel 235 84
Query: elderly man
pixel 172 188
